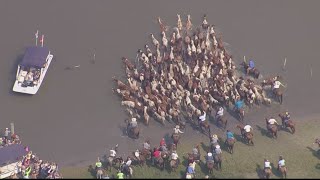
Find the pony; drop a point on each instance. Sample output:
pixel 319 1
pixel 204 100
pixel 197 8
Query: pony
pixel 254 72
pixel 273 129
pixel 222 122
pixel 230 144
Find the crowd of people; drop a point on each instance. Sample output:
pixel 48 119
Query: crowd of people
pixel 30 166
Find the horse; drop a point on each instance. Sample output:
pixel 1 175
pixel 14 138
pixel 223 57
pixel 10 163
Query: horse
pixel 278 95
pixel 254 72
pixel 273 129
pixel 240 114
pixel 246 135
pixel 222 121
pixel 140 157
pixel 111 161
pixel 127 170
pixel 210 166
pixel 230 144
pixel 267 173
pixel 160 163
pixel 283 171
pixel 204 126
pixel 217 161
pixel 289 123
pixel 133 132
pixel 174 165
pixel 175 138
pixel 99 173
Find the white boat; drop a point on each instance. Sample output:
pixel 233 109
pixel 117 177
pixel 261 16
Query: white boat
pixel 32 70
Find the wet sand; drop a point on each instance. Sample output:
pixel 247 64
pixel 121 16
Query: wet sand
pixel 75 116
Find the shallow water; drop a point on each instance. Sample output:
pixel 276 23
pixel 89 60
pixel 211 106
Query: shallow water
pixel 75 116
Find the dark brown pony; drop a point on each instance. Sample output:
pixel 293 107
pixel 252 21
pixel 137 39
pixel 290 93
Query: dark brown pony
pixel 218 161
pixel 230 144
pixel 175 138
pixel 240 114
pixel 222 121
pixel 254 72
pixel 289 124
pixel 246 135
pixel 210 166
pixel 204 126
pixel 278 95
pixel 141 159
pixel 272 129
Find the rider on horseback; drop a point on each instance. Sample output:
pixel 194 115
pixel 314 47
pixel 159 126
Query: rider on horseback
pixel 209 158
pixel 146 145
pixel 285 119
pixel 267 164
pixel 276 85
pixel 156 155
pixel 217 150
pixel 250 66
pixel 281 162
pixel 214 141
pixel 163 145
pixel 98 164
pixel 174 156
pixel 133 123
pixel 202 118
pixel 219 113
pixel 247 128
pixel 120 175
pixel 229 136
pixel 176 131
pixel 271 122
pixel 238 105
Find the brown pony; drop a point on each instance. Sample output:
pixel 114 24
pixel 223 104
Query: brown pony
pixel 273 129
pixel 230 144
pixel 175 138
pixel 278 95
pixel 240 113
pixel 290 124
pixel 254 72
pixel 141 158
pixel 222 121
pixel 283 171
pixel 267 173
pixel 210 166
pixel 204 126
pixel 174 165
pixel 246 135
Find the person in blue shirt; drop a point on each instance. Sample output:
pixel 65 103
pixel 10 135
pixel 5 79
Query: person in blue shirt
pixel 250 66
pixel 229 136
pixel 190 169
pixel 238 105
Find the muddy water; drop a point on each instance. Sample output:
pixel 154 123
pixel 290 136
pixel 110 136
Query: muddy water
pixel 75 116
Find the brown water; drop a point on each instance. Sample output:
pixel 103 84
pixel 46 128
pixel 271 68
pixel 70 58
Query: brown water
pixel 75 116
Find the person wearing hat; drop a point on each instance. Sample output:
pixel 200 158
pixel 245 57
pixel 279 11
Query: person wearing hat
pixel 286 118
pixel 271 122
pixel 247 129
pixel 133 123
pixel 281 162
pixel 214 139
pixel 209 158
pixel 217 149
pixel 174 156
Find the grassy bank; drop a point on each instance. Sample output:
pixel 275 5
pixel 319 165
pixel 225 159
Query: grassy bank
pixel 247 161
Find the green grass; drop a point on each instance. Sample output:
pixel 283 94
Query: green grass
pixel 246 161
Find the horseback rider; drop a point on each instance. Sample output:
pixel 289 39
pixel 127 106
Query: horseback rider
pixel 163 145
pixel 202 118
pixel 271 122
pixel 281 162
pixel 209 158
pixel 238 105
pixel 120 175
pixel 247 129
pixel 174 156
pixel 219 113
pixel 133 123
pixel 146 145
pixel 267 164
pixel 217 149
pixel 230 135
pixel 250 66
pixel 128 162
pixel 98 164
pixel 176 131
pixel 285 118
pixel 276 85
pixel 190 169
pixel 156 155
pixel 214 141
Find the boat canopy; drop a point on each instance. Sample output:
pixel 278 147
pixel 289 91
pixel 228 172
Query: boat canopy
pixel 35 57
pixel 11 154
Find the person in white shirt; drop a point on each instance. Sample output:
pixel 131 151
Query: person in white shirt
pixel 202 118
pixel 267 164
pixel 129 161
pixel 281 162
pixel 217 150
pixel 113 153
pixel 271 122
pixel 247 128
pixel 219 113
pixel 177 130
pixel 174 155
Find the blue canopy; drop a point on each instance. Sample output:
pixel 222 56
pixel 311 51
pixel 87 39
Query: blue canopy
pixel 12 153
pixel 35 57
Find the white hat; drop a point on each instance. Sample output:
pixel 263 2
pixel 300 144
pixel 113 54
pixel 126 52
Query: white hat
pixel 209 154
pixel 214 136
pixel 134 119
pixel 177 126
pixel 217 146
